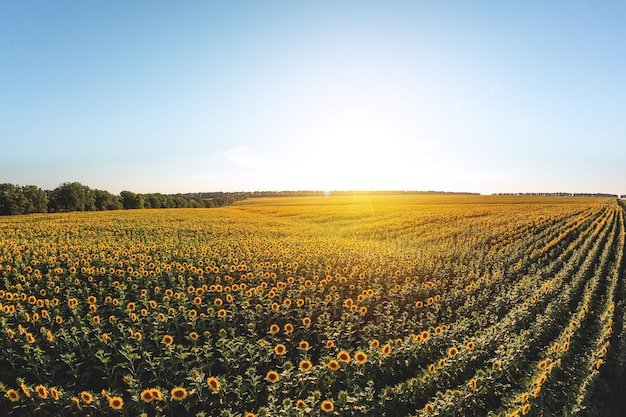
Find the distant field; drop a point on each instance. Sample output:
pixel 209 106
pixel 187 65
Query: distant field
pixel 297 306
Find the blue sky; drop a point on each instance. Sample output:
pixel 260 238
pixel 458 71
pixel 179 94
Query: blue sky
pixel 161 96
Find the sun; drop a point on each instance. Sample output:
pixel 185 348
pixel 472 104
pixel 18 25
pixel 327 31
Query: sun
pixel 354 152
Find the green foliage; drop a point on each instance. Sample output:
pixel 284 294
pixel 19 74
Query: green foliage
pixel 22 200
pixel 74 196
pixel 349 305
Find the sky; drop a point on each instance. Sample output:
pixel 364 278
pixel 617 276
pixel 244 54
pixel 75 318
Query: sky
pixel 193 96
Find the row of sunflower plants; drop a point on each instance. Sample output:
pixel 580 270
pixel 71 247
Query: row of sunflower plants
pixel 507 370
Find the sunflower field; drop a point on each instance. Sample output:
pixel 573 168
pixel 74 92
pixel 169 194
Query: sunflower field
pixel 374 305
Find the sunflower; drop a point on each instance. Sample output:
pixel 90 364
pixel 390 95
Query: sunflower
pixel 306 365
pixel 41 391
pixel 303 345
pixel 179 393
pixel 274 329
pixel 525 409
pixel 288 328
pixel 333 365
pixel 470 345
pixel 525 397
pixel 146 396
pixel 330 344
pixel 76 402
pixel 116 403
pixel 213 383
pixel 306 321
pixel 429 408
pixel 193 336
pixel 167 340
pixel 542 378
pixel 221 313
pixel 280 349
pixel 272 376
pixel 472 384
pixel 13 395
pixel 328 406
pixel 54 393
pixel 360 357
pixel 452 352
pixel 343 356
pixel 86 396
pixel 386 350
pixel 442 363
pixel 25 389
pixel 156 394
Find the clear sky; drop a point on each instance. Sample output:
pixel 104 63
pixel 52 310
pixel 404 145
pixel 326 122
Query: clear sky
pixel 164 96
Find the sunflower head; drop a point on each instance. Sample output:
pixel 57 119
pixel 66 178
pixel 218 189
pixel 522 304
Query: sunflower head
pixel 179 393
pixel 213 383
pixel 116 403
pixel 306 365
pixel 327 406
pixel 272 376
pixel 146 396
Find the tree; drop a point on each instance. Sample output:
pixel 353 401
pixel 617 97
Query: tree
pixel 70 196
pixel 104 200
pixel 12 200
pixel 37 199
pixel 154 200
pixel 131 200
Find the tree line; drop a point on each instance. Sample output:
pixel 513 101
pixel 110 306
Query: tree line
pixel 74 196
